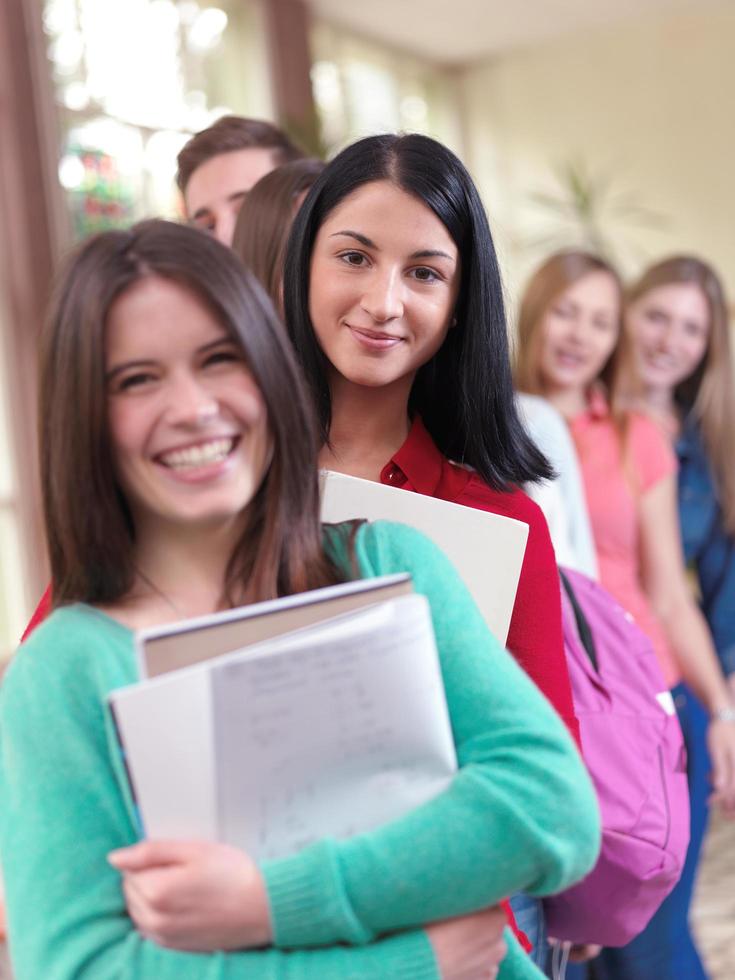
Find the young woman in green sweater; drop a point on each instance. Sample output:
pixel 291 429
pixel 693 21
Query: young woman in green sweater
pixel 179 474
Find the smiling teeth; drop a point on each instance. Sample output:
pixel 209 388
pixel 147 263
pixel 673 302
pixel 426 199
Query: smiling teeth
pixel 661 362
pixel 209 452
pixel 570 358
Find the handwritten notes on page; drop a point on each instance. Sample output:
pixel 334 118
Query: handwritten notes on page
pixel 345 730
pixel 330 730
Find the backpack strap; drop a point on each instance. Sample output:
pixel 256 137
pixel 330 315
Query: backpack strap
pixel 583 627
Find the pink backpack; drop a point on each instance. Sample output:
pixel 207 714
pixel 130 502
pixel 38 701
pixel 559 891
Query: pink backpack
pixel 633 748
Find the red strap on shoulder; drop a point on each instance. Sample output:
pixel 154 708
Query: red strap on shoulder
pixel 520 936
pixel 42 611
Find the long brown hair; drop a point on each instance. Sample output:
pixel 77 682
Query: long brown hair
pixel 265 219
pixel 90 532
pixel 709 392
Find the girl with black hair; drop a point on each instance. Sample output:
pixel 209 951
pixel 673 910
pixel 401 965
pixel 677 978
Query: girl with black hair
pixel 394 303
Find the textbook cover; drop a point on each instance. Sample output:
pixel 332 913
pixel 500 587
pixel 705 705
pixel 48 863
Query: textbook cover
pixel 330 729
pixel 161 649
pixel 486 549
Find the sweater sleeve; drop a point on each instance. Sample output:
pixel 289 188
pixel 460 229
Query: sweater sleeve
pixel 520 814
pixel 62 811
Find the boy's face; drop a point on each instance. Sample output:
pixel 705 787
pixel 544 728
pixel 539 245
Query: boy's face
pixel 216 189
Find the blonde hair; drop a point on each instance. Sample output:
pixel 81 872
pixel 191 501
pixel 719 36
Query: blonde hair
pixel 550 280
pixel 709 392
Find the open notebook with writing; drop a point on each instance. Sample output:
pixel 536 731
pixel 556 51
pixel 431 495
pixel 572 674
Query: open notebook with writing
pixel 329 729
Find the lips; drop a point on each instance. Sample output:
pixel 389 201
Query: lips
pixel 374 339
pixel 567 359
pixel 661 361
pixel 202 454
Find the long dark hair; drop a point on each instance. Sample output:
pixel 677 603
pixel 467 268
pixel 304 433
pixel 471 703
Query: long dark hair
pixel 90 532
pixel 464 394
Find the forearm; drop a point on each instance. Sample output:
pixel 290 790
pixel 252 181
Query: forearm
pixel 690 639
pixel 667 587
pixel 90 956
pixel 524 817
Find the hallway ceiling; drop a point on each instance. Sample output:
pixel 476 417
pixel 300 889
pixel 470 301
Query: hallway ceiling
pixel 460 31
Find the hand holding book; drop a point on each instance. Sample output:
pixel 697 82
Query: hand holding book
pixel 197 896
pixel 200 896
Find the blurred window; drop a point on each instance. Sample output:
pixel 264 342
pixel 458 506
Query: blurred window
pixel 133 80
pixel 361 87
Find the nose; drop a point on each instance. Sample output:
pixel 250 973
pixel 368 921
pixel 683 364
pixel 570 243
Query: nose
pixel 383 295
pixel 577 329
pixel 191 404
pixel 665 339
pixel 224 228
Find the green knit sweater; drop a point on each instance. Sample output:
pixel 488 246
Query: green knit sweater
pixel 520 815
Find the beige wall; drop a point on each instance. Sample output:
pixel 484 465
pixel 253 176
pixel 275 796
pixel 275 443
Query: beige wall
pixel 649 103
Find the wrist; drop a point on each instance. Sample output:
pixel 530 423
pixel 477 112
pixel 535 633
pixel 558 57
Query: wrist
pixel 724 713
pixel 260 929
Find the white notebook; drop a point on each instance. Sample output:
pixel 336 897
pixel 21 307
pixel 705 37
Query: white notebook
pixel 486 549
pixel 329 730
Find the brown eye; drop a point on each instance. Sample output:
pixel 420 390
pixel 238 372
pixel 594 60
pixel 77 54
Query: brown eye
pixel 222 357
pixel 424 274
pixel 355 259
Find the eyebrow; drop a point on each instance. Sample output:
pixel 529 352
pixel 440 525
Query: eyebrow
pixel 424 253
pixel 127 365
pixel 432 253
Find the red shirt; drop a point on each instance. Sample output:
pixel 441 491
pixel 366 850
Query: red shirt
pixel 535 633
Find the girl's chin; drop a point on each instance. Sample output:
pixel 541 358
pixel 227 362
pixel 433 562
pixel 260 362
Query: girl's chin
pixel 661 378
pixel 372 379
pixel 570 383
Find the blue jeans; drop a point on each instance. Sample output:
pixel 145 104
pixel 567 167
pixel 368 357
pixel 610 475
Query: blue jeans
pixel 529 914
pixel 665 949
